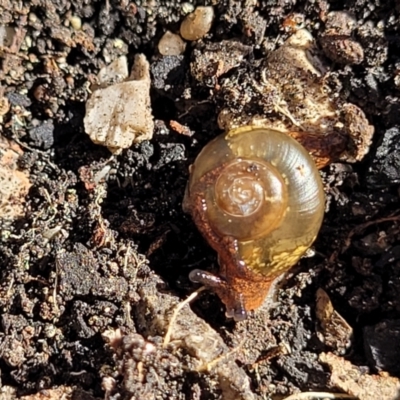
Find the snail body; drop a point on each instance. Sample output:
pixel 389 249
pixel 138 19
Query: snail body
pixel 256 196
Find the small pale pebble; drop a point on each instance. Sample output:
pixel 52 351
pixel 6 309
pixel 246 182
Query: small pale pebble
pixel 115 72
pixel 76 22
pixel 197 24
pixel 187 7
pixel 119 43
pixel 120 114
pixel 171 44
pixel 27 42
pixel 32 17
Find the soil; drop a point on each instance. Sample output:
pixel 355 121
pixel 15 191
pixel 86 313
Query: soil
pixel 95 249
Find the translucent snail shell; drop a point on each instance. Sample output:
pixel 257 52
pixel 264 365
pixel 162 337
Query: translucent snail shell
pixel 256 196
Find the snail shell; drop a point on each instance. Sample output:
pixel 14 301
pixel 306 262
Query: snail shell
pixel 256 196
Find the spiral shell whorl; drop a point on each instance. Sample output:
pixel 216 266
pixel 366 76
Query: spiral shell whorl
pixel 237 193
pixel 250 199
pixel 278 198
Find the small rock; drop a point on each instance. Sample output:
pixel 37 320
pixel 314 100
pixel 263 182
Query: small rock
pixel 171 44
pixel 187 7
pixel 120 114
pixel 42 135
pixel 337 42
pixel 342 49
pixel 197 24
pixel 76 22
pixel 115 72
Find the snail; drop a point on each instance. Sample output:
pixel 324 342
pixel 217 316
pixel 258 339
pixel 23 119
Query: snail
pixel 256 196
pixel 255 192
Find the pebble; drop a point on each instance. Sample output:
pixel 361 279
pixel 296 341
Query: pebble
pixel 119 43
pixel 187 7
pixel 76 22
pixel 337 42
pixel 120 114
pixel 342 49
pixel 197 24
pixel 171 44
pixel 115 72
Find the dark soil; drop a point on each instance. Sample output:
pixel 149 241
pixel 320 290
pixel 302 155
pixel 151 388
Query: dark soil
pixel 81 266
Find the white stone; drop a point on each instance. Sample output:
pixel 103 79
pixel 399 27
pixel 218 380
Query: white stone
pixel 115 72
pixel 120 114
